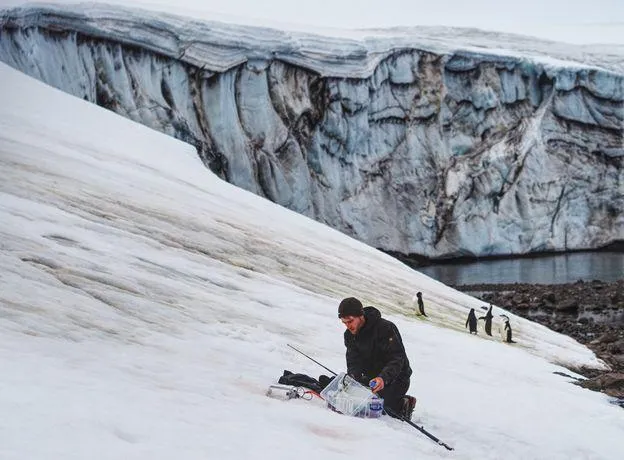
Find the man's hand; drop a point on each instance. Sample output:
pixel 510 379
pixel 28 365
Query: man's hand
pixel 376 384
pixel 359 377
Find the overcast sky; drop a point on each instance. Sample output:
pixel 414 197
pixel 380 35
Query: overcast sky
pixel 358 13
pixel 568 20
pixel 574 21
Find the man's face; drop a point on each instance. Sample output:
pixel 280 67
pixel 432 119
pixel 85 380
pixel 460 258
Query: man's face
pixel 353 323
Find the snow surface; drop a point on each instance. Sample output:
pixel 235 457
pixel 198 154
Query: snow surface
pixel 193 33
pixel 145 306
pixel 571 21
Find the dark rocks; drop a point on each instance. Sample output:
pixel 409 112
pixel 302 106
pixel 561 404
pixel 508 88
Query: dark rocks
pixel 570 305
pixel 611 384
pixel 607 337
pixel 590 312
pixel 563 374
pixel 550 297
pixel 616 348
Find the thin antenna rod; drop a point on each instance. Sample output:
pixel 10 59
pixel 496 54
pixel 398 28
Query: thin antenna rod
pixel 299 351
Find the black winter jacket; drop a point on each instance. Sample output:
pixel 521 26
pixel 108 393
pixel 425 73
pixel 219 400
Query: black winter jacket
pixel 376 351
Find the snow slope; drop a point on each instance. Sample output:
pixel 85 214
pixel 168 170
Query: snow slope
pixel 145 306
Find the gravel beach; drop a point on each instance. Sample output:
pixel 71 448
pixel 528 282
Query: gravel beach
pixel 590 312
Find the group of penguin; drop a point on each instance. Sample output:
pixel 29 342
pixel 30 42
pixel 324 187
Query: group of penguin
pixel 471 324
pixel 472 321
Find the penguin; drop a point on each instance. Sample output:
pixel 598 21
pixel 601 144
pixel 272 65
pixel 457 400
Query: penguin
pixel 501 327
pixel 472 321
pixel 421 305
pixel 488 321
pixel 506 332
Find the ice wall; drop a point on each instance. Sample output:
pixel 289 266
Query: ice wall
pixel 408 142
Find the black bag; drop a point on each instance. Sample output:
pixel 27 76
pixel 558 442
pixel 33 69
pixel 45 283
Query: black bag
pixel 305 381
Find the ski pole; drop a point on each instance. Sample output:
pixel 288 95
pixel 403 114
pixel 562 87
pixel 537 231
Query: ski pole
pixel 390 412
pixel 419 428
pixel 298 351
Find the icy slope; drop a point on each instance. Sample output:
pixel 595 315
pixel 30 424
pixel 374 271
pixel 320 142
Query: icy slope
pixel 145 305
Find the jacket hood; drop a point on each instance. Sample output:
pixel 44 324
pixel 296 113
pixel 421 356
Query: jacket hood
pixel 372 315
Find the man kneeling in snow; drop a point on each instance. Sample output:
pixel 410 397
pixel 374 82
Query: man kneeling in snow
pixel 376 356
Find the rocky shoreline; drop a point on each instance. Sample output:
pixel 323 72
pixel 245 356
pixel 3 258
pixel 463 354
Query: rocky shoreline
pixel 590 312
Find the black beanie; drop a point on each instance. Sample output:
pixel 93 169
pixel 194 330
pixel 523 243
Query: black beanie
pixel 350 307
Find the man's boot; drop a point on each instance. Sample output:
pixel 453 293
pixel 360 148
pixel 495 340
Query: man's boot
pixel 407 406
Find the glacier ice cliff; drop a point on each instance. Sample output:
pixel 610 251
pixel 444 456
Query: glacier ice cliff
pixel 428 142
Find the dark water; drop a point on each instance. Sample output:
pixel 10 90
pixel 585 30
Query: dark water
pixel 554 269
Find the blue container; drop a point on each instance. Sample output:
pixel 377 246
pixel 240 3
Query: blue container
pixel 375 407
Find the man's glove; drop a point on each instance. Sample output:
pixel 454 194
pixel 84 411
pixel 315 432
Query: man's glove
pixel 359 378
pixel 376 384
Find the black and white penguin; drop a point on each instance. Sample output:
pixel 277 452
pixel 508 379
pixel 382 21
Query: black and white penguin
pixel 488 321
pixel 421 305
pixel 471 322
pixel 506 333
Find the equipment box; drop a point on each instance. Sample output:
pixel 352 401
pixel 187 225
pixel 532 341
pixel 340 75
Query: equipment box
pixel 347 396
